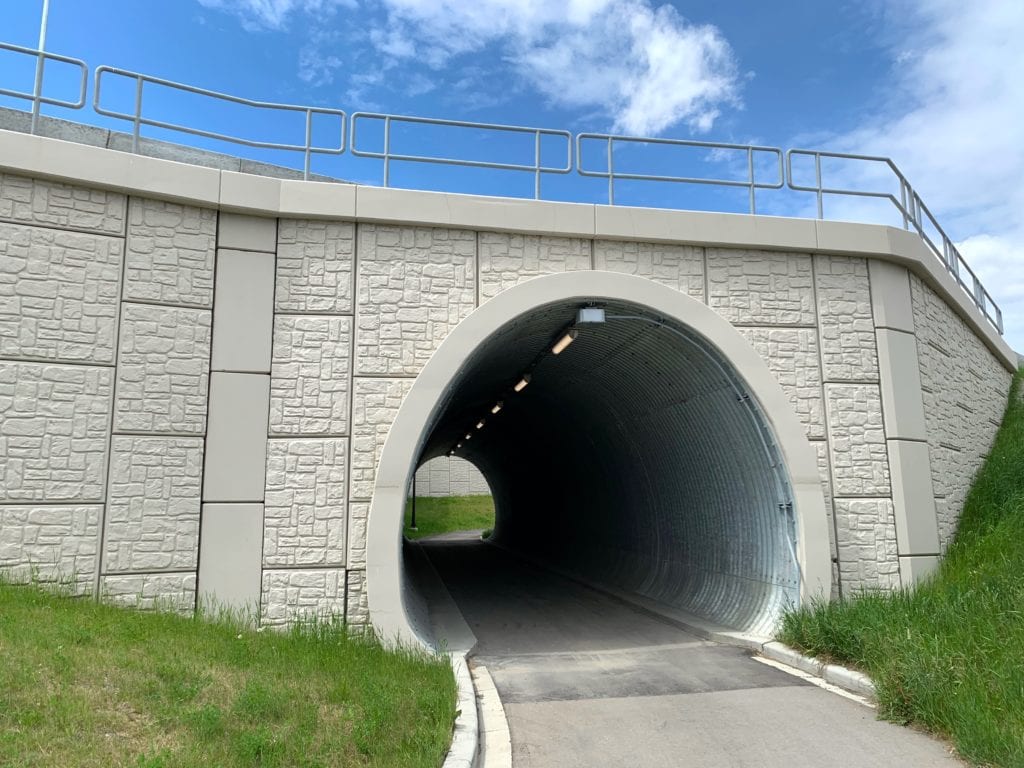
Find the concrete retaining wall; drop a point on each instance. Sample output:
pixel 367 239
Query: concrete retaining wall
pixel 197 374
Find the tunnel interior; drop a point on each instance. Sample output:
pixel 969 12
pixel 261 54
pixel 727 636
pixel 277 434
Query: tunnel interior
pixel 635 458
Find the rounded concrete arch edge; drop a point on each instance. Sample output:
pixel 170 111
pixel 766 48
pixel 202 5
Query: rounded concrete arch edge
pixel 384 563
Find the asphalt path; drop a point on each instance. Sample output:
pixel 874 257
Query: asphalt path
pixel 587 680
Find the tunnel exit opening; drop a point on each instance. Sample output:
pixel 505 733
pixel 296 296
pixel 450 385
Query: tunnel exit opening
pixel 648 451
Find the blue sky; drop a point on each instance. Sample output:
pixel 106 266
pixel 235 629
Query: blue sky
pixel 934 84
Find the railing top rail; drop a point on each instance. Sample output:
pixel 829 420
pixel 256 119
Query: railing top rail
pixel 138 118
pixel 38 97
pixel 387 154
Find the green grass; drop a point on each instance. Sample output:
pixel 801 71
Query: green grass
pixel 949 656
pixel 443 514
pixel 85 684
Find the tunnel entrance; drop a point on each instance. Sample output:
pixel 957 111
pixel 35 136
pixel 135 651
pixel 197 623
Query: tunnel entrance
pixel 653 453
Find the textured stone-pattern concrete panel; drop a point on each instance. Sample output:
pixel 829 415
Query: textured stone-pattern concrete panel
pixel 414 284
pixel 964 391
pixel 677 266
pixel 314 266
pixel 163 591
pixel 375 405
pixel 761 287
pixel 50 204
pixel 51 543
pixel 304 511
pixel 358 515
pixel 508 259
pixel 309 378
pixel 860 463
pixel 844 315
pixel 54 423
pixel 170 253
pixel 58 294
pixel 357 609
pixel 450 476
pixel 792 355
pixel 163 369
pixel 293 594
pixel 152 519
pixel 866 539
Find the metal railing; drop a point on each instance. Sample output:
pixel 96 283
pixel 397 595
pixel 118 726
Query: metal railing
pixel 138 119
pixel 611 174
pixel 915 214
pixel 908 203
pixel 36 94
pixel 537 168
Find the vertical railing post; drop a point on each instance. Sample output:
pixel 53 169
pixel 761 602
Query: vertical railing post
pixel 387 150
pixel 309 141
pixel 37 88
pixel 903 202
pixel 137 123
pixel 611 175
pixel 536 165
pixel 817 178
pixel 750 172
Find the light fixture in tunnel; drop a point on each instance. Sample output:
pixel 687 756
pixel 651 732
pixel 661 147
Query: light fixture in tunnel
pixel 469 435
pixel 497 407
pixel 565 341
pixel 480 424
pixel 590 315
pixel 458 446
pixel 521 384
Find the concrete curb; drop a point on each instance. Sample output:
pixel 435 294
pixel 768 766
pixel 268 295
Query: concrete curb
pixel 463 751
pixel 835 674
pixel 495 742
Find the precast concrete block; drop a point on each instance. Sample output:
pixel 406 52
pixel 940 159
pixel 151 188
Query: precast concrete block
pixel 890 296
pixel 55 205
pixel 917 531
pixel 247 233
pixel 243 311
pixel 901 385
pixel 236 438
pixel 230 567
pixel 914 568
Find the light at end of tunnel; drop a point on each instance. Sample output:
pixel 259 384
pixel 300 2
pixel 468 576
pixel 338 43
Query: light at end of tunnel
pixel 521 384
pixel 480 424
pixel 565 341
pixel 497 407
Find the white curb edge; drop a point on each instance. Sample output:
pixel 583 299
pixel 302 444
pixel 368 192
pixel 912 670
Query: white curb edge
pixel 842 677
pixel 465 734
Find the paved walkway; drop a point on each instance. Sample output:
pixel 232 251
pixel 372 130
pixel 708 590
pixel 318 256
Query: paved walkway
pixel 589 681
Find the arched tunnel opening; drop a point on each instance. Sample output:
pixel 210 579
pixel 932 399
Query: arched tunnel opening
pixel 635 458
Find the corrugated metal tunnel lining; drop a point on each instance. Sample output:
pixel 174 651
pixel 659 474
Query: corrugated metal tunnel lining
pixel 634 458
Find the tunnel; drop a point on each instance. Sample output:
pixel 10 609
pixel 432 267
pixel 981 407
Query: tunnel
pixel 624 445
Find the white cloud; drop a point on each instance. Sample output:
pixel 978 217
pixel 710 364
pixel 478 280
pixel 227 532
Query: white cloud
pixel 646 68
pixel 956 130
pixel 273 14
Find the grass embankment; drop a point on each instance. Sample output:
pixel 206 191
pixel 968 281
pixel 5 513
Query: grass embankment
pixel 85 684
pixel 949 656
pixel 444 514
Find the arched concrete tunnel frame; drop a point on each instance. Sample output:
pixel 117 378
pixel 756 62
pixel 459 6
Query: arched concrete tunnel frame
pixel 386 582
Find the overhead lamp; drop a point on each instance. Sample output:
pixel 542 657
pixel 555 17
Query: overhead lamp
pixel 565 341
pixel 458 446
pixel 480 424
pixel 521 384
pixel 590 315
pixel 497 407
pixel 469 435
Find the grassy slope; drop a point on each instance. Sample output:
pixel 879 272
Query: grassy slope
pixel 950 655
pixel 83 684
pixel 449 513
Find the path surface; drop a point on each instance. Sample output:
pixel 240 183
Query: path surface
pixel 589 681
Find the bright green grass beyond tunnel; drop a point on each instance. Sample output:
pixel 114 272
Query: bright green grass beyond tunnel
pixel 84 684
pixel 949 656
pixel 444 514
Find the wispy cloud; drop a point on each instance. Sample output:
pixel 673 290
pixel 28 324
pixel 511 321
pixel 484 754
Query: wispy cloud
pixel 274 14
pixel 646 68
pixel 954 126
